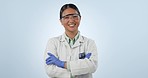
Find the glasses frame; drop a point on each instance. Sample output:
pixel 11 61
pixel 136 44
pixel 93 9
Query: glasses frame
pixel 69 16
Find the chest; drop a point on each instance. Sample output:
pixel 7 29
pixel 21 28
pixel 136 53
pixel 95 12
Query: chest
pixel 66 52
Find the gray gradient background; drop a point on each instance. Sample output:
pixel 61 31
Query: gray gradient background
pixel 119 28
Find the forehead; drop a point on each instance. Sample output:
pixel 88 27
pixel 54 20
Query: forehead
pixel 69 11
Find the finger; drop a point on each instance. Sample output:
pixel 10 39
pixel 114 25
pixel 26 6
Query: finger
pixel 49 58
pixel 50 54
pixel 89 54
pixel 49 62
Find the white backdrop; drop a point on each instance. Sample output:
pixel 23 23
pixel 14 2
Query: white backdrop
pixel 119 28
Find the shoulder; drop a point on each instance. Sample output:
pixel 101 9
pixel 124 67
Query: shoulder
pixel 86 39
pixel 54 39
pixel 89 43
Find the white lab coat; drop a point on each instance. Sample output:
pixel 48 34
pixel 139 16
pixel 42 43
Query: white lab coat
pixel 80 68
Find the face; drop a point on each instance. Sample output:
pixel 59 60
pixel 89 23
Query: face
pixel 70 20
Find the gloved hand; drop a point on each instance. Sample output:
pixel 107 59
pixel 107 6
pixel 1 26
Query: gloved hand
pixel 88 55
pixel 53 60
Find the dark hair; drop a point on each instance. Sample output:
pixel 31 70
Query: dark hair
pixel 66 6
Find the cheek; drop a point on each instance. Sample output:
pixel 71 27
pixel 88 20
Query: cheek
pixel 63 23
pixel 78 22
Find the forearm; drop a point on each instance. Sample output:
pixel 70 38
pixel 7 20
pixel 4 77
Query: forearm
pixel 54 71
pixel 82 66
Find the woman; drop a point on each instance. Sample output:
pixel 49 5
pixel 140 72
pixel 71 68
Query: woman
pixel 70 55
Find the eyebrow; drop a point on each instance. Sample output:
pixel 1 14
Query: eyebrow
pixel 70 14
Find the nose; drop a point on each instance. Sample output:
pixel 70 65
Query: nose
pixel 71 19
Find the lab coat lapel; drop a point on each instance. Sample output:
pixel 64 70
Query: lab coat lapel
pixel 78 42
pixel 63 40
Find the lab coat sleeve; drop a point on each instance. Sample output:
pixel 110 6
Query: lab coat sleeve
pixel 52 70
pixel 85 66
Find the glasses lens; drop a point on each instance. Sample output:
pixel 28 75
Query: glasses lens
pixel 73 16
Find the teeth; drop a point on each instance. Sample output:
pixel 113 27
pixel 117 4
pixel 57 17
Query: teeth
pixel 71 25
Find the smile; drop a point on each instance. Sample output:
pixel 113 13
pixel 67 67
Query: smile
pixel 71 25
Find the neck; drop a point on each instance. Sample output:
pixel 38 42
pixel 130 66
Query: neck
pixel 71 34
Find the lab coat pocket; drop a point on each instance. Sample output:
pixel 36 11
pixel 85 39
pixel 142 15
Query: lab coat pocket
pixel 82 55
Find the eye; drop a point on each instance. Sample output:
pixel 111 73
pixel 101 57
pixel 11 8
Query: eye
pixel 75 16
pixel 66 17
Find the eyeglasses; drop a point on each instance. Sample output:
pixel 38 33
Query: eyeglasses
pixel 71 16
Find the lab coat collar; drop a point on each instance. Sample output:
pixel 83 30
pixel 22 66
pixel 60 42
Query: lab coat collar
pixel 62 38
pixel 80 39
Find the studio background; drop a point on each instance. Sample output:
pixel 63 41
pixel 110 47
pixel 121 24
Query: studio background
pixel 119 28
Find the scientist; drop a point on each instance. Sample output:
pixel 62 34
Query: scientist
pixel 70 55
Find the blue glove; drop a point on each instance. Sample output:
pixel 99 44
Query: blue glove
pixel 53 60
pixel 88 55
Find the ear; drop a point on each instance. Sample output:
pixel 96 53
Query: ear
pixel 61 21
pixel 80 17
